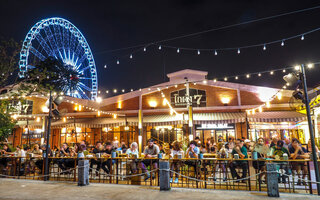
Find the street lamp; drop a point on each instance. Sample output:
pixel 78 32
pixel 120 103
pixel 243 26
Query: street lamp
pixel 294 80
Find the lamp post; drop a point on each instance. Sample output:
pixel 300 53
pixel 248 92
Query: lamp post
pixel 314 153
pixel 46 171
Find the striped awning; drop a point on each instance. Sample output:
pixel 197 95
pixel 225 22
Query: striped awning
pixel 277 116
pixel 163 120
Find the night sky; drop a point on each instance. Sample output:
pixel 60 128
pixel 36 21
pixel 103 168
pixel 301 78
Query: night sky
pixel 109 25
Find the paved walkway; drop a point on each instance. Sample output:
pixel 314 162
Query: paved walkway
pixel 34 190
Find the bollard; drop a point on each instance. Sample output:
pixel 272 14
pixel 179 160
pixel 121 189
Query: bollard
pixel 164 175
pixel 272 180
pixel 83 172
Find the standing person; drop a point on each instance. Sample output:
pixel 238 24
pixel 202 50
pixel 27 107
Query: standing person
pixel 175 164
pixel 150 151
pixel 298 152
pixel 242 152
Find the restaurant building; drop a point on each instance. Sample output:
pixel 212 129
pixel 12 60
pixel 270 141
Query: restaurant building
pixel 219 109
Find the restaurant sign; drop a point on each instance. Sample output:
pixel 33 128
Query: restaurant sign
pixel 20 107
pixel 215 126
pixel 197 97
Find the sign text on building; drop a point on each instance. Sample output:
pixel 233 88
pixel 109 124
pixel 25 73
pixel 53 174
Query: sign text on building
pixel 197 97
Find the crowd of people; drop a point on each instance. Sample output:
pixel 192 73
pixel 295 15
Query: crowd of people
pixel 240 149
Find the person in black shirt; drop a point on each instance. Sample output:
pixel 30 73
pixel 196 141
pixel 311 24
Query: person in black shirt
pixel 39 162
pixel 274 141
pixel 64 151
pixel 5 151
pixel 298 152
pixel 97 149
pixel 106 165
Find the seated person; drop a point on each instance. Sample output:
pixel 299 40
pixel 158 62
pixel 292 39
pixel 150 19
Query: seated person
pixel 5 151
pixel 106 165
pixel 39 162
pixel 298 152
pixel 242 152
pixel 133 152
pixel 98 149
pixel 64 152
pixel 176 151
pixel 262 150
pixel 150 151
pixel 278 152
pixel 192 152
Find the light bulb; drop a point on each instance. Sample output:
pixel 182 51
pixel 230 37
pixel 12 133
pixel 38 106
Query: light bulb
pixel 178 50
pixel 302 37
pixel 130 56
pixel 198 52
pixel 271 73
pixel 284 71
pixel 144 49
pixel 310 66
pixel 236 78
pixel 105 66
pixel 264 47
pixel 282 43
pixel 238 51
pixel 118 62
pixel 215 52
pixel 259 74
pixel 160 47
pixel 225 79
pixel 248 75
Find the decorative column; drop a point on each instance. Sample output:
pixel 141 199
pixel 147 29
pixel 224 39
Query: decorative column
pixel 140 125
pixel 190 111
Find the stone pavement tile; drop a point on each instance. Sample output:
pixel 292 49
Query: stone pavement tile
pixel 28 189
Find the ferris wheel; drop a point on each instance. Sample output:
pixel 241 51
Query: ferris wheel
pixel 59 38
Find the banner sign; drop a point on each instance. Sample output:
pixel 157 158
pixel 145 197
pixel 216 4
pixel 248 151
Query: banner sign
pixel 215 126
pixel 20 107
pixel 178 99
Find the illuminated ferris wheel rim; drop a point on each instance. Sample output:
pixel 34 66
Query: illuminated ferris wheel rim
pixel 31 35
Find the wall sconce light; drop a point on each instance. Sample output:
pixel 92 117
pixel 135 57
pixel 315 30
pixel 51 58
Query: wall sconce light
pixel 119 105
pixel 153 104
pixel 225 100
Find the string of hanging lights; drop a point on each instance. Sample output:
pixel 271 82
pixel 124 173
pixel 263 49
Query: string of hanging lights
pixel 212 30
pixel 238 77
pixel 215 51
